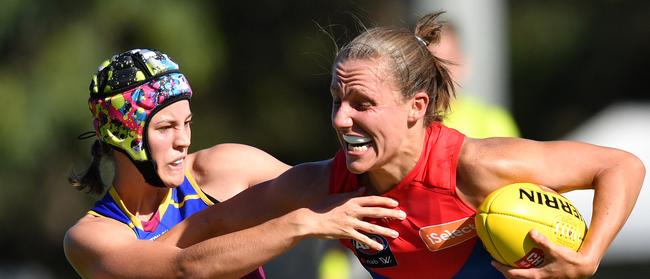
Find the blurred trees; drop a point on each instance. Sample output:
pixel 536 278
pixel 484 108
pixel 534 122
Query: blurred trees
pixel 49 51
pixel 572 59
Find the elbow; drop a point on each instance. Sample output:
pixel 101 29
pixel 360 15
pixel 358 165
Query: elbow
pixel 636 176
pixel 622 171
pixel 637 169
pixel 641 168
pixel 186 267
pixel 631 172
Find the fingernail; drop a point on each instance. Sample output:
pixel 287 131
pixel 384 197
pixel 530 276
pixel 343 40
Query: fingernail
pixel 533 233
pixel 381 247
pixel 402 215
pixel 394 234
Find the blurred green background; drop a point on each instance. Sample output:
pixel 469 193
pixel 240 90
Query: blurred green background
pixel 260 73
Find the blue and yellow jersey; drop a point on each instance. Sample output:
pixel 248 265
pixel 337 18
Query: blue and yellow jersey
pixel 179 203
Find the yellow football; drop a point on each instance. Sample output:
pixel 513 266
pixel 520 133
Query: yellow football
pixel 507 215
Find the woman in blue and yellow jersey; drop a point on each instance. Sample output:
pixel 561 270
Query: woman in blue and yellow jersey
pixel 143 226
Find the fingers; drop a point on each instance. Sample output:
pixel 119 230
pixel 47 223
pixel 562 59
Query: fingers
pixel 513 272
pixel 541 240
pixel 550 255
pixel 550 249
pixel 501 267
pixel 380 213
pixel 522 273
pixel 375 207
pixel 376 201
pixel 377 229
pixel 367 241
pixel 358 198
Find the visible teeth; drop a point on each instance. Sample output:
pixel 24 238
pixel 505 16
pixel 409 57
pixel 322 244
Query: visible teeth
pixel 356 140
pixel 357 148
pixel 177 162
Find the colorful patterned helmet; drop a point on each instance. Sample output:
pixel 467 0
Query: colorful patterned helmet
pixel 126 92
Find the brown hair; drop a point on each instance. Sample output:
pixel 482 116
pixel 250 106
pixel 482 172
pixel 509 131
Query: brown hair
pixel 91 179
pixel 414 67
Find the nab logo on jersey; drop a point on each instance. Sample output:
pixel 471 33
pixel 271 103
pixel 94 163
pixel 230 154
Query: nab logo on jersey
pixel 372 258
pixel 365 249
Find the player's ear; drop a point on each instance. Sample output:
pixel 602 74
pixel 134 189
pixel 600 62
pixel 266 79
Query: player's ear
pixel 418 108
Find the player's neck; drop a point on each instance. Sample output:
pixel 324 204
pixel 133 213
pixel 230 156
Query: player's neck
pixel 140 198
pixel 382 179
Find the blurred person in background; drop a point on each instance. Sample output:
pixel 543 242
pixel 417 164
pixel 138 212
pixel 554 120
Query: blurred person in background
pixel 468 114
pixel 389 96
pixel 142 227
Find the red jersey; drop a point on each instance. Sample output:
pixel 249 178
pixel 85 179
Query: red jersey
pixel 438 237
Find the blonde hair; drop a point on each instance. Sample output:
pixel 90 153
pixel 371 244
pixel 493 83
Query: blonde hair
pixel 413 66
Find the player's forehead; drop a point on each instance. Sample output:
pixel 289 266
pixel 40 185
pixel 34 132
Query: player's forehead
pixel 354 75
pixel 177 111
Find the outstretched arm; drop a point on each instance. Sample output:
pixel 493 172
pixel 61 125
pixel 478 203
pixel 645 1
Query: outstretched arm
pixel 302 187
pixel 115 253
pixel 232 238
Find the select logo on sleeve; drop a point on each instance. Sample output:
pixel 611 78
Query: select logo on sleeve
pixel 372 258
pixel 438 237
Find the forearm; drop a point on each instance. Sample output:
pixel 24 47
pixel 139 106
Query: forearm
pixel 616 192
pixel 236 254
pixel 235 214
pixel 302 186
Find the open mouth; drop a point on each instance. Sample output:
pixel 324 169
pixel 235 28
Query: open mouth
pixel 177 163
pixel 357 143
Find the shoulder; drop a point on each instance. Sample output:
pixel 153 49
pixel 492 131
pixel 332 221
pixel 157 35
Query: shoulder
pixel 83 245
pixel 89 224
pixel 484 165
pixel 498 154
pixel 232 152
pixel 306 183
pixel 84 232
pixel 233 166
pixel 318 171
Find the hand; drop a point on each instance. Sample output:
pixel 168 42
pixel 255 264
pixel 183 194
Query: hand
pixel 559 262
pixel 340 216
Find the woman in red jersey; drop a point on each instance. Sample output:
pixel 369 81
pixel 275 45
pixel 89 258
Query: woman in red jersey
pixel 389 95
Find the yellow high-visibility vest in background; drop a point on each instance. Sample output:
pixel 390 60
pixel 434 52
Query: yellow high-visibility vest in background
pixel 477 119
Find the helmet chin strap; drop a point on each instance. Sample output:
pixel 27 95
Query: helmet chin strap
pixel 149 172
pixel 147 169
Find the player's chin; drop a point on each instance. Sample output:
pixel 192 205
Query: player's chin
pixel 172 181
pixel 172 175
pixel 357 166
